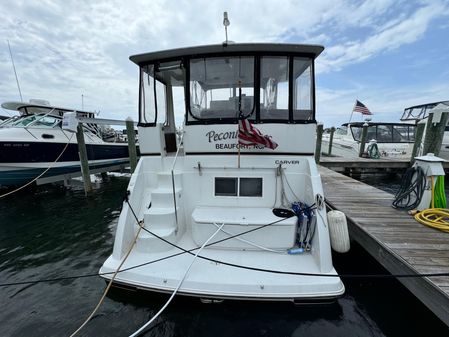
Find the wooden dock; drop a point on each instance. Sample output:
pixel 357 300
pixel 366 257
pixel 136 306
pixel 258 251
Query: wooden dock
pixel 364 163
pixel 394 238
pixel 367 165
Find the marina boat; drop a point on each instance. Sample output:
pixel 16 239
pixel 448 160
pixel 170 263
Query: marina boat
pixel 33 141
pixel 239 187
pixel 420 112
pixel 392 140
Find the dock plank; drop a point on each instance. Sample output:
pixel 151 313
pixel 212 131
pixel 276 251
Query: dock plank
pixel 393 237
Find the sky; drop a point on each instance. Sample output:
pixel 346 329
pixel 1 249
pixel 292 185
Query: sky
pixel 388 54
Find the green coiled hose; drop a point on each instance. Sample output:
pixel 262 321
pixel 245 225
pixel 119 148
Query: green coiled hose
pixel 439 195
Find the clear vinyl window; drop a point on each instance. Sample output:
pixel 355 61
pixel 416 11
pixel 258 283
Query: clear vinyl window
pixel 302 89
pixel 274 88
pixel 153 97
pixel 221 87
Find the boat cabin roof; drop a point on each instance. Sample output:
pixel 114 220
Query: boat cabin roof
pixel 230 48
pixel 360 124
pixel 265 82
pixel 28 108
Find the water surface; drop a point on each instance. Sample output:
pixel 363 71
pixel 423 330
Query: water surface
pixel 50 232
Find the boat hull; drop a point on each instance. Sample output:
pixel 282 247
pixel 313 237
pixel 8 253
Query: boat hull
pixel 259 268
pixel 232 279
pixel 21 162
pixel 345 149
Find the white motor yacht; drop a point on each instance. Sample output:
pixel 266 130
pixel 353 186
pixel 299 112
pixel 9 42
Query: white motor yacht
pixel 238 185
pixel 393 140
pixel 33 144
pixel 421 112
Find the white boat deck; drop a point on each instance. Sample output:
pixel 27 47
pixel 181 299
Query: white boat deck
pixel 214 279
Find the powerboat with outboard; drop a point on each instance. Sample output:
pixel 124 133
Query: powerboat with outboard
pixel 421 112
pixel 233 207
pixel 384 140
pixel 33 141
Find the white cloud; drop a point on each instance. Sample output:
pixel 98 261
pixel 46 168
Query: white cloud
pixel 64 49
pixel 392 35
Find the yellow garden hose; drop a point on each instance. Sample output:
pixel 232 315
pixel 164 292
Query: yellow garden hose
pixel 434 217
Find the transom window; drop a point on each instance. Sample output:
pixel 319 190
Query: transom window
pixel 234 187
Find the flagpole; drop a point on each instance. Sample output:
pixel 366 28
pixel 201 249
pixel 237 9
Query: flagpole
pixel 238 157
pixel 352 112
pixel 240 113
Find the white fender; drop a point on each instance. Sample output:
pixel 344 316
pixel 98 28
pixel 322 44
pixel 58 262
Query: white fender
pixel 338 231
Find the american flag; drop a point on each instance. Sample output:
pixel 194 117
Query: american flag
pixel 249 135
pixel 360 107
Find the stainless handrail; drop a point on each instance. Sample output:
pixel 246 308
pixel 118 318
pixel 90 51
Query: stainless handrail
pixel 173 178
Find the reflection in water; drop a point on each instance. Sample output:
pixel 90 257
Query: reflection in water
pixel 51 233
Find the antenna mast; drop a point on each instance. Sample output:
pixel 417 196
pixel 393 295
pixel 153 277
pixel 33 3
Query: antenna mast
pixel 15 73
pixel 226 23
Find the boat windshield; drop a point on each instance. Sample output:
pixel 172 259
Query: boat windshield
pixel 34 120
pixel 419 112
pixel 386 133
pixel 341 131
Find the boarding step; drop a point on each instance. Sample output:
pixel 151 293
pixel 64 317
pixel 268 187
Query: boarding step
pixel 160 217
pixel 279 234
pixel 147 243
pixel 163 197
pixel 164 179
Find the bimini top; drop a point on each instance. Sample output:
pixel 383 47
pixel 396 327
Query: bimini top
pixel 263 48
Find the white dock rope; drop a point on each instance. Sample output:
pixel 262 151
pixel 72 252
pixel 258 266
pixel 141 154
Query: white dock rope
pixel 100 302
pixel 177 288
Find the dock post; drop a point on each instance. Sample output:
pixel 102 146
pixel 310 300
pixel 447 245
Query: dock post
pixel 131 144
pixel 331 139
pixel 434 133
pixel 319 137
pixel 363 139
pixel 82 152
pixel 419 132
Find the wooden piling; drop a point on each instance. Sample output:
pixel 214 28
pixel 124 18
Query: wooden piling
pixel 319 138
pixel 434 134
pixel 419 132
pixel 82 152
pixel 331 139
pixel 363 139
pixel 131 144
